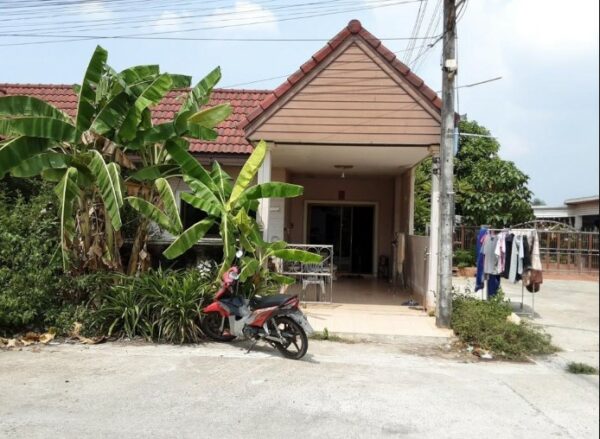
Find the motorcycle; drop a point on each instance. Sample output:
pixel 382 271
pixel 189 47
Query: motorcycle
pixel 275 319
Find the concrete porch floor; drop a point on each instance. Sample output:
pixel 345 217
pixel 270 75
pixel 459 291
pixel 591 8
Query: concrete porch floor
pixel 364 307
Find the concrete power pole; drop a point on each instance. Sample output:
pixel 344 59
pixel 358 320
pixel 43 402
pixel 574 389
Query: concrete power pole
pixel 446 226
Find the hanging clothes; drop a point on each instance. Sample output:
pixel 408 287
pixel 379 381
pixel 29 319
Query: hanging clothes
pixel 479 275
pixel 516 259
pixel 490 265
pixel 508 256
pixel 501 252
pixel 493 285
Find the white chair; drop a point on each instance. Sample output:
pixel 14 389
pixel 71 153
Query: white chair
pixel 313 279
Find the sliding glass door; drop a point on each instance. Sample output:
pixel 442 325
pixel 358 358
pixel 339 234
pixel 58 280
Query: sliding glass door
pixel 349 228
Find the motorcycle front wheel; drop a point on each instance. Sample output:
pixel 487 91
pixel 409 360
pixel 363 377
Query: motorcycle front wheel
pixel 216 327
pixel 296 341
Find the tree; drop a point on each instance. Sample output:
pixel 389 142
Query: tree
pixel 538 202
pixel 489 190
pixel 85 154
pixel 231 206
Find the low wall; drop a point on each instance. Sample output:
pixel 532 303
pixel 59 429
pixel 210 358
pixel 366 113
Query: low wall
pixel 416 266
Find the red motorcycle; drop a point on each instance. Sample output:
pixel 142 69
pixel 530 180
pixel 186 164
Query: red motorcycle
pixel 274 319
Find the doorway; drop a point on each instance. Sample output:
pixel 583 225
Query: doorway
pixel 350 229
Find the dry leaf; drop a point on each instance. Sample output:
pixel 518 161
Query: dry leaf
pixel 46 338
pixel 76 329
pixel 12 343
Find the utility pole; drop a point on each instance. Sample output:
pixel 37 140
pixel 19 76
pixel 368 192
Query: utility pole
pixel 446 226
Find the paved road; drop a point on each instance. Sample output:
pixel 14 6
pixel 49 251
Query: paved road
pixel 339 391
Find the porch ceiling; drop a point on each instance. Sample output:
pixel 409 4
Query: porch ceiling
pixel 366 160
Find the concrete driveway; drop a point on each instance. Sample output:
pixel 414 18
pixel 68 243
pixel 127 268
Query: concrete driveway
pixel 338 391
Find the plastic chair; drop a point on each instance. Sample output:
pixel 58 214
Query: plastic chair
pixel 313 279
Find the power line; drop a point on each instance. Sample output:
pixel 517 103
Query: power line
pixel 111 22
pixel 131 36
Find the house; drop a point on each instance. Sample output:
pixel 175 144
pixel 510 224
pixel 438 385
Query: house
pixel 350 125
pixel 580 213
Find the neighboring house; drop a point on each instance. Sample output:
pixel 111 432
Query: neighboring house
pixel 350 126
pixel 580 213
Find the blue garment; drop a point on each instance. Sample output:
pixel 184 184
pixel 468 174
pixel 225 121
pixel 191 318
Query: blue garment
pixel 480 259
pixel 493 285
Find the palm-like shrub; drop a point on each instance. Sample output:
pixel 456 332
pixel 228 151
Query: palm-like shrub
pixel 161 305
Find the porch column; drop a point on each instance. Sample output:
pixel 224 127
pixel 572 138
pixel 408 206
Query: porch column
pixel 434 244
pixel 264 176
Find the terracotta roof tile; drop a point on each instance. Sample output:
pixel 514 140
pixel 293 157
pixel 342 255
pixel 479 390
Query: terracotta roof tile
pixel 231 140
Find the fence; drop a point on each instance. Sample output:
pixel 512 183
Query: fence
pixel 560 251
pixel 319 276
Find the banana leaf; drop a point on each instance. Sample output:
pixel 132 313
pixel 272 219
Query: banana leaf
pixel 151 173
pixel 298 256
pixel 250 267
pixel 30 106
pixel 108 191
pixel 210 117
pixel 201 133
pixel 41 127
pixel 152 95
pixel 151 212
pixel 248 171
pixel 222 180
pixel 67 192
pixel 272 190
pixel 200 94
pixel 35 165
pixel 187 239
pixel 114 171
pixel 87 91
pixel 202 197
pixel 169 204
pixel 189 165
pixel 15 151
pixel 112 114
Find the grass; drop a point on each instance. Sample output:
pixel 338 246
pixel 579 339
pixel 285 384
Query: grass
pixel 483 324
pixel 581 369
pixel 325 335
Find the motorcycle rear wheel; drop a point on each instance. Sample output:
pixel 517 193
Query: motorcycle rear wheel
pixel 296 340
pixel 216 327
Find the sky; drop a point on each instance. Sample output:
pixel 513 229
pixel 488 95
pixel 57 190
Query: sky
pixel 544 110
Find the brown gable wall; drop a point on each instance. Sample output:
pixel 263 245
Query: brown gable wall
pixel 355 99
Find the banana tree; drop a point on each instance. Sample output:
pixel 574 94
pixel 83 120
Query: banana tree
pixel 230 206
pixel 85 154
pixel 193 120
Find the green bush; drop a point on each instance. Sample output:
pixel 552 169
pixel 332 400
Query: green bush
pixel 483 324
pixel 161 305
pixel 463 258
pixel 27 264
pixel 34 292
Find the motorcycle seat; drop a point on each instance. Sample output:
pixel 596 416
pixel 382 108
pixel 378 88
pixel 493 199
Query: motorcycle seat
pixel 268 301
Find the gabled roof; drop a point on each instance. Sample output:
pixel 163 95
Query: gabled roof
pixel 231 140
pixel 353 30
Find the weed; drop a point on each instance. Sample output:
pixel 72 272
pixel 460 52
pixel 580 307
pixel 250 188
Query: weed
pixel 483 324
pixel 581 369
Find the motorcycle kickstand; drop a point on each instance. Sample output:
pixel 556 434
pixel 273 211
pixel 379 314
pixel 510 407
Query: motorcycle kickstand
pixel 252 345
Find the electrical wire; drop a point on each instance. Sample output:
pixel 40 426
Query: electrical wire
pixel 127 36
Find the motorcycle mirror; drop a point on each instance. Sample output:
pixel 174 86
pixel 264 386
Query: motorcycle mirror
pixel 239 254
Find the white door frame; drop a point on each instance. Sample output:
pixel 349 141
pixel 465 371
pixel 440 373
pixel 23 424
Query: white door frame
pixel 375 204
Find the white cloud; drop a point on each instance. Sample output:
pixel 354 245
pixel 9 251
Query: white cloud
pixel 94 10
pixel 168 21
pixel 245 15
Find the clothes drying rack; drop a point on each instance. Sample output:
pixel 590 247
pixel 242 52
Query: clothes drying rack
pixel 484 291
